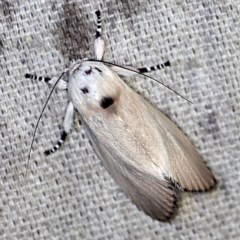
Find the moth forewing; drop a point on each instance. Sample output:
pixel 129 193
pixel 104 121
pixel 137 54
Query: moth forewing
pixel 143 150
pixel 187 167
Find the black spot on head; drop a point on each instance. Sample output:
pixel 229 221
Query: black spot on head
pixel 88 71
pixel 106 102
pixel 84 90
pixel 98 69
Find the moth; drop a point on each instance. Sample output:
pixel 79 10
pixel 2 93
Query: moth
pixel 144 151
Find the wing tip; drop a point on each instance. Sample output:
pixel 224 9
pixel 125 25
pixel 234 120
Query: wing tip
pixel 202 183
pixel 210 187
pixel 167 217
pixel 163 212
pixel 172 213
pixel 174 209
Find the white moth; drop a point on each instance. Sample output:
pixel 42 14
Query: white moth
pixel 143 150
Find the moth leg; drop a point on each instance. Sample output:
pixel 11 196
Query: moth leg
pixel 62 85
pixel 99 45
pixel 128 71
pixel 153 68
pixel 67 123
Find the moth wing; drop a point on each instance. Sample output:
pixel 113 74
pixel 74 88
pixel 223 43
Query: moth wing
pixel 154 196
pixel 188 169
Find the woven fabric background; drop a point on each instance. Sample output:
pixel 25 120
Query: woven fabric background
pixel 69 195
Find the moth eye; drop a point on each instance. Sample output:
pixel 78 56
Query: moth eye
pixel 84 90
pixel 88 71
pixel 106 102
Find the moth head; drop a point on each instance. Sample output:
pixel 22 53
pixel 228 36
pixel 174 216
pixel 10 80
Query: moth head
pixel 93 86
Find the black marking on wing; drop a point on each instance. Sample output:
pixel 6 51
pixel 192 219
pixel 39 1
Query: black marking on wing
pixel 106 102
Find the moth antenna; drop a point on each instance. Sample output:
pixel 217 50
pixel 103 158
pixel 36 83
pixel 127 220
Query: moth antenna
pixel 137 71
pixel 43 109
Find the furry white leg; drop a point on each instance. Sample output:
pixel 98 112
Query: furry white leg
pixel 99 45
pixel 62 85
pixel 67 123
